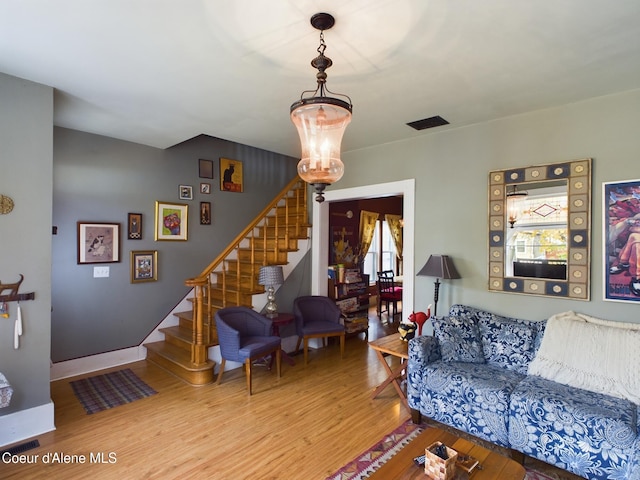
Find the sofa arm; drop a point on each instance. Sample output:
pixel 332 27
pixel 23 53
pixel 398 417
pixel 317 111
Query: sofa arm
pixel 423 350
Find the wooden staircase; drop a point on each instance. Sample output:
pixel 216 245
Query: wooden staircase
pixel 231 279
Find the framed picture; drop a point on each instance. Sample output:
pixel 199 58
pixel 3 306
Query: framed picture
pixel 205 213
pixel 205 168
pixel 171 221
pixel 144 266
pixel 621 240
pixel 205 188
pixel 230 175
pixel 134 226
pixel 185 192
pixel 98 242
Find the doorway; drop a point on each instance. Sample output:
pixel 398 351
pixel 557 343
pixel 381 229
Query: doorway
pixel 320 232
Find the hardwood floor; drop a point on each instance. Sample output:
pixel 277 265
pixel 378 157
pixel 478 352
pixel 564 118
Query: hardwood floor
pixel 304 426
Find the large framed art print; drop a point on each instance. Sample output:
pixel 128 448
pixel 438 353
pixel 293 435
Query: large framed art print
pixel 621 240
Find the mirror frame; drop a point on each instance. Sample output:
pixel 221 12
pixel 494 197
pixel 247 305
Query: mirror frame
pixel 578 176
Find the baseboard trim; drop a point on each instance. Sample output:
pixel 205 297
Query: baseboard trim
pixel 92 363
pixel 25 424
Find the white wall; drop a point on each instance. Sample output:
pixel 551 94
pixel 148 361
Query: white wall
pixel 451 168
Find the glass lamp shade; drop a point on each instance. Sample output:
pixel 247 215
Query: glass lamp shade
pixel 321 123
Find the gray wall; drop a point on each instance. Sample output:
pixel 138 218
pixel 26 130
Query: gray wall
pixel 26 159
pixel 100 179
pixel 451 171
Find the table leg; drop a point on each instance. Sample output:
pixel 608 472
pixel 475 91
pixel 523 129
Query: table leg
pixel 393 377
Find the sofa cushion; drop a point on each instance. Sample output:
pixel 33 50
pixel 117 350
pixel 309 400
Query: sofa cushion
pixel 507 344
pixel 459 339
pixel 588 433
pixel 469 396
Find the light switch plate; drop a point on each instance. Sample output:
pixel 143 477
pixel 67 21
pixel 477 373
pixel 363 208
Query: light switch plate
pixel 100 272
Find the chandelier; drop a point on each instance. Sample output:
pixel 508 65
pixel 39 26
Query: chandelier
pixel 321 121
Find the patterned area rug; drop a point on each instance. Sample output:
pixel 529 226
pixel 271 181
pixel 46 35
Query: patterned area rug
pixel 369 461
pixel 109 390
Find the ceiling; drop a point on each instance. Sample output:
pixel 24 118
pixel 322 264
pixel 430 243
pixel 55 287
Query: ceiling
pixel 158 72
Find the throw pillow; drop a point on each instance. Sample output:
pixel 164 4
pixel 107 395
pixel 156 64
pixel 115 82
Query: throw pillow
pixel 459 339
pixel 507 344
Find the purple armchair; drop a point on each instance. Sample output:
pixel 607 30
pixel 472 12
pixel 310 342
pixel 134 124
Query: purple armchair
pixel 317 317
pixel 244 336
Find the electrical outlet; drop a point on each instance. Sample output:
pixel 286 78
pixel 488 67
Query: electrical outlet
pixel 100 272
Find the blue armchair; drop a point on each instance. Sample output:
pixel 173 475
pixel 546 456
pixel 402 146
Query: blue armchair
pixel 317 317
pixel 244 336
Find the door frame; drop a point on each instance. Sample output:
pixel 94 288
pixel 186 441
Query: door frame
pixel 320 233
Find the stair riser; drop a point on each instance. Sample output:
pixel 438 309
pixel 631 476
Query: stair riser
pixel 294 232
pixel 271 243
pixel 204 377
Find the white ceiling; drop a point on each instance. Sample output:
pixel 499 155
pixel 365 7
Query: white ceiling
pixel 159 72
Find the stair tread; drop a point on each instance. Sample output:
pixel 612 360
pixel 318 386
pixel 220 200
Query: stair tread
pixel 178 356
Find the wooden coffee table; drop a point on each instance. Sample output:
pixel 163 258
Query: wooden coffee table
pixel 494 465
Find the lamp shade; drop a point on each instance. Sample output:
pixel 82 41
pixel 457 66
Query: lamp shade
pixel 321 123
pixel 440 266
pixel 271 275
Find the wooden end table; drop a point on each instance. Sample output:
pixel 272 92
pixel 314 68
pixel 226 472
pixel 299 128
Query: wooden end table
pixel 494 466
pixel 280 320
pixel 391 345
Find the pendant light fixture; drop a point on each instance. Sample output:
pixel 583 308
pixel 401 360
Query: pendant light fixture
pixel 321 121
pixel 513 204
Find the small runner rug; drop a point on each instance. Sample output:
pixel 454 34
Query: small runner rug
pixel 369 461
pixel 109 390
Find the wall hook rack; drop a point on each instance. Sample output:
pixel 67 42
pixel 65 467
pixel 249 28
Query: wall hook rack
pixel 12 289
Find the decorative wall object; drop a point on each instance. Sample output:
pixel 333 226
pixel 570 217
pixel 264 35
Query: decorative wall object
pixel 144 266
pixel 6 204
pixel 621 240
pixel 185 192
pixel 134 226
pixel 205 188
pixel 231 175
pixel 171 221
pixel 575 177
pixel 205 168
pixel 98 242
pixel 205 213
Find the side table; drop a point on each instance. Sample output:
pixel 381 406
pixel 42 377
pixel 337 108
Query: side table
pixel 280 320
pixel 391 345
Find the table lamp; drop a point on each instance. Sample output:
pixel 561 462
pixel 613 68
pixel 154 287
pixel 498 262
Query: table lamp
pixel 271 276
pixel 439 266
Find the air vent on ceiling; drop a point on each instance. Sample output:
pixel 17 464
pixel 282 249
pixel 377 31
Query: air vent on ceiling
pixel 430 122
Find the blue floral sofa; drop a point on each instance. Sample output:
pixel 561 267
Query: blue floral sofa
pixel 473 375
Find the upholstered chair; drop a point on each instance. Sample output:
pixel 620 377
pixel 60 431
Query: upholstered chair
pixel 245 336
pixel 317 317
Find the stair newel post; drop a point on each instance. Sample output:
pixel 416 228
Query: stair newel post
pixel 199 351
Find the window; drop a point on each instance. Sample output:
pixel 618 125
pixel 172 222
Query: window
pixel 382 252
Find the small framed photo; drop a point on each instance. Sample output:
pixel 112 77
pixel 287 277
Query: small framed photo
pixel 231 175
pixel 98 242
pixel 205 188
pixel 171 221
pixel 185 192
pixel 205 168
pixel 205 213
pixel 134 226
pixel 144 266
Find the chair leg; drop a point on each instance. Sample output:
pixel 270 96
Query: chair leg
pixel 298 343
pixel 247 364
pixel 278 361
pixel 306 351
pixel 221 371
pixel 342 345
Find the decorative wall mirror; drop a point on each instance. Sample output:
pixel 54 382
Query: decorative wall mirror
pixel 540 230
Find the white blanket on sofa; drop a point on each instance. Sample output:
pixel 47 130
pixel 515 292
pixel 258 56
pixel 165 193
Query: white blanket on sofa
pixel 591 353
